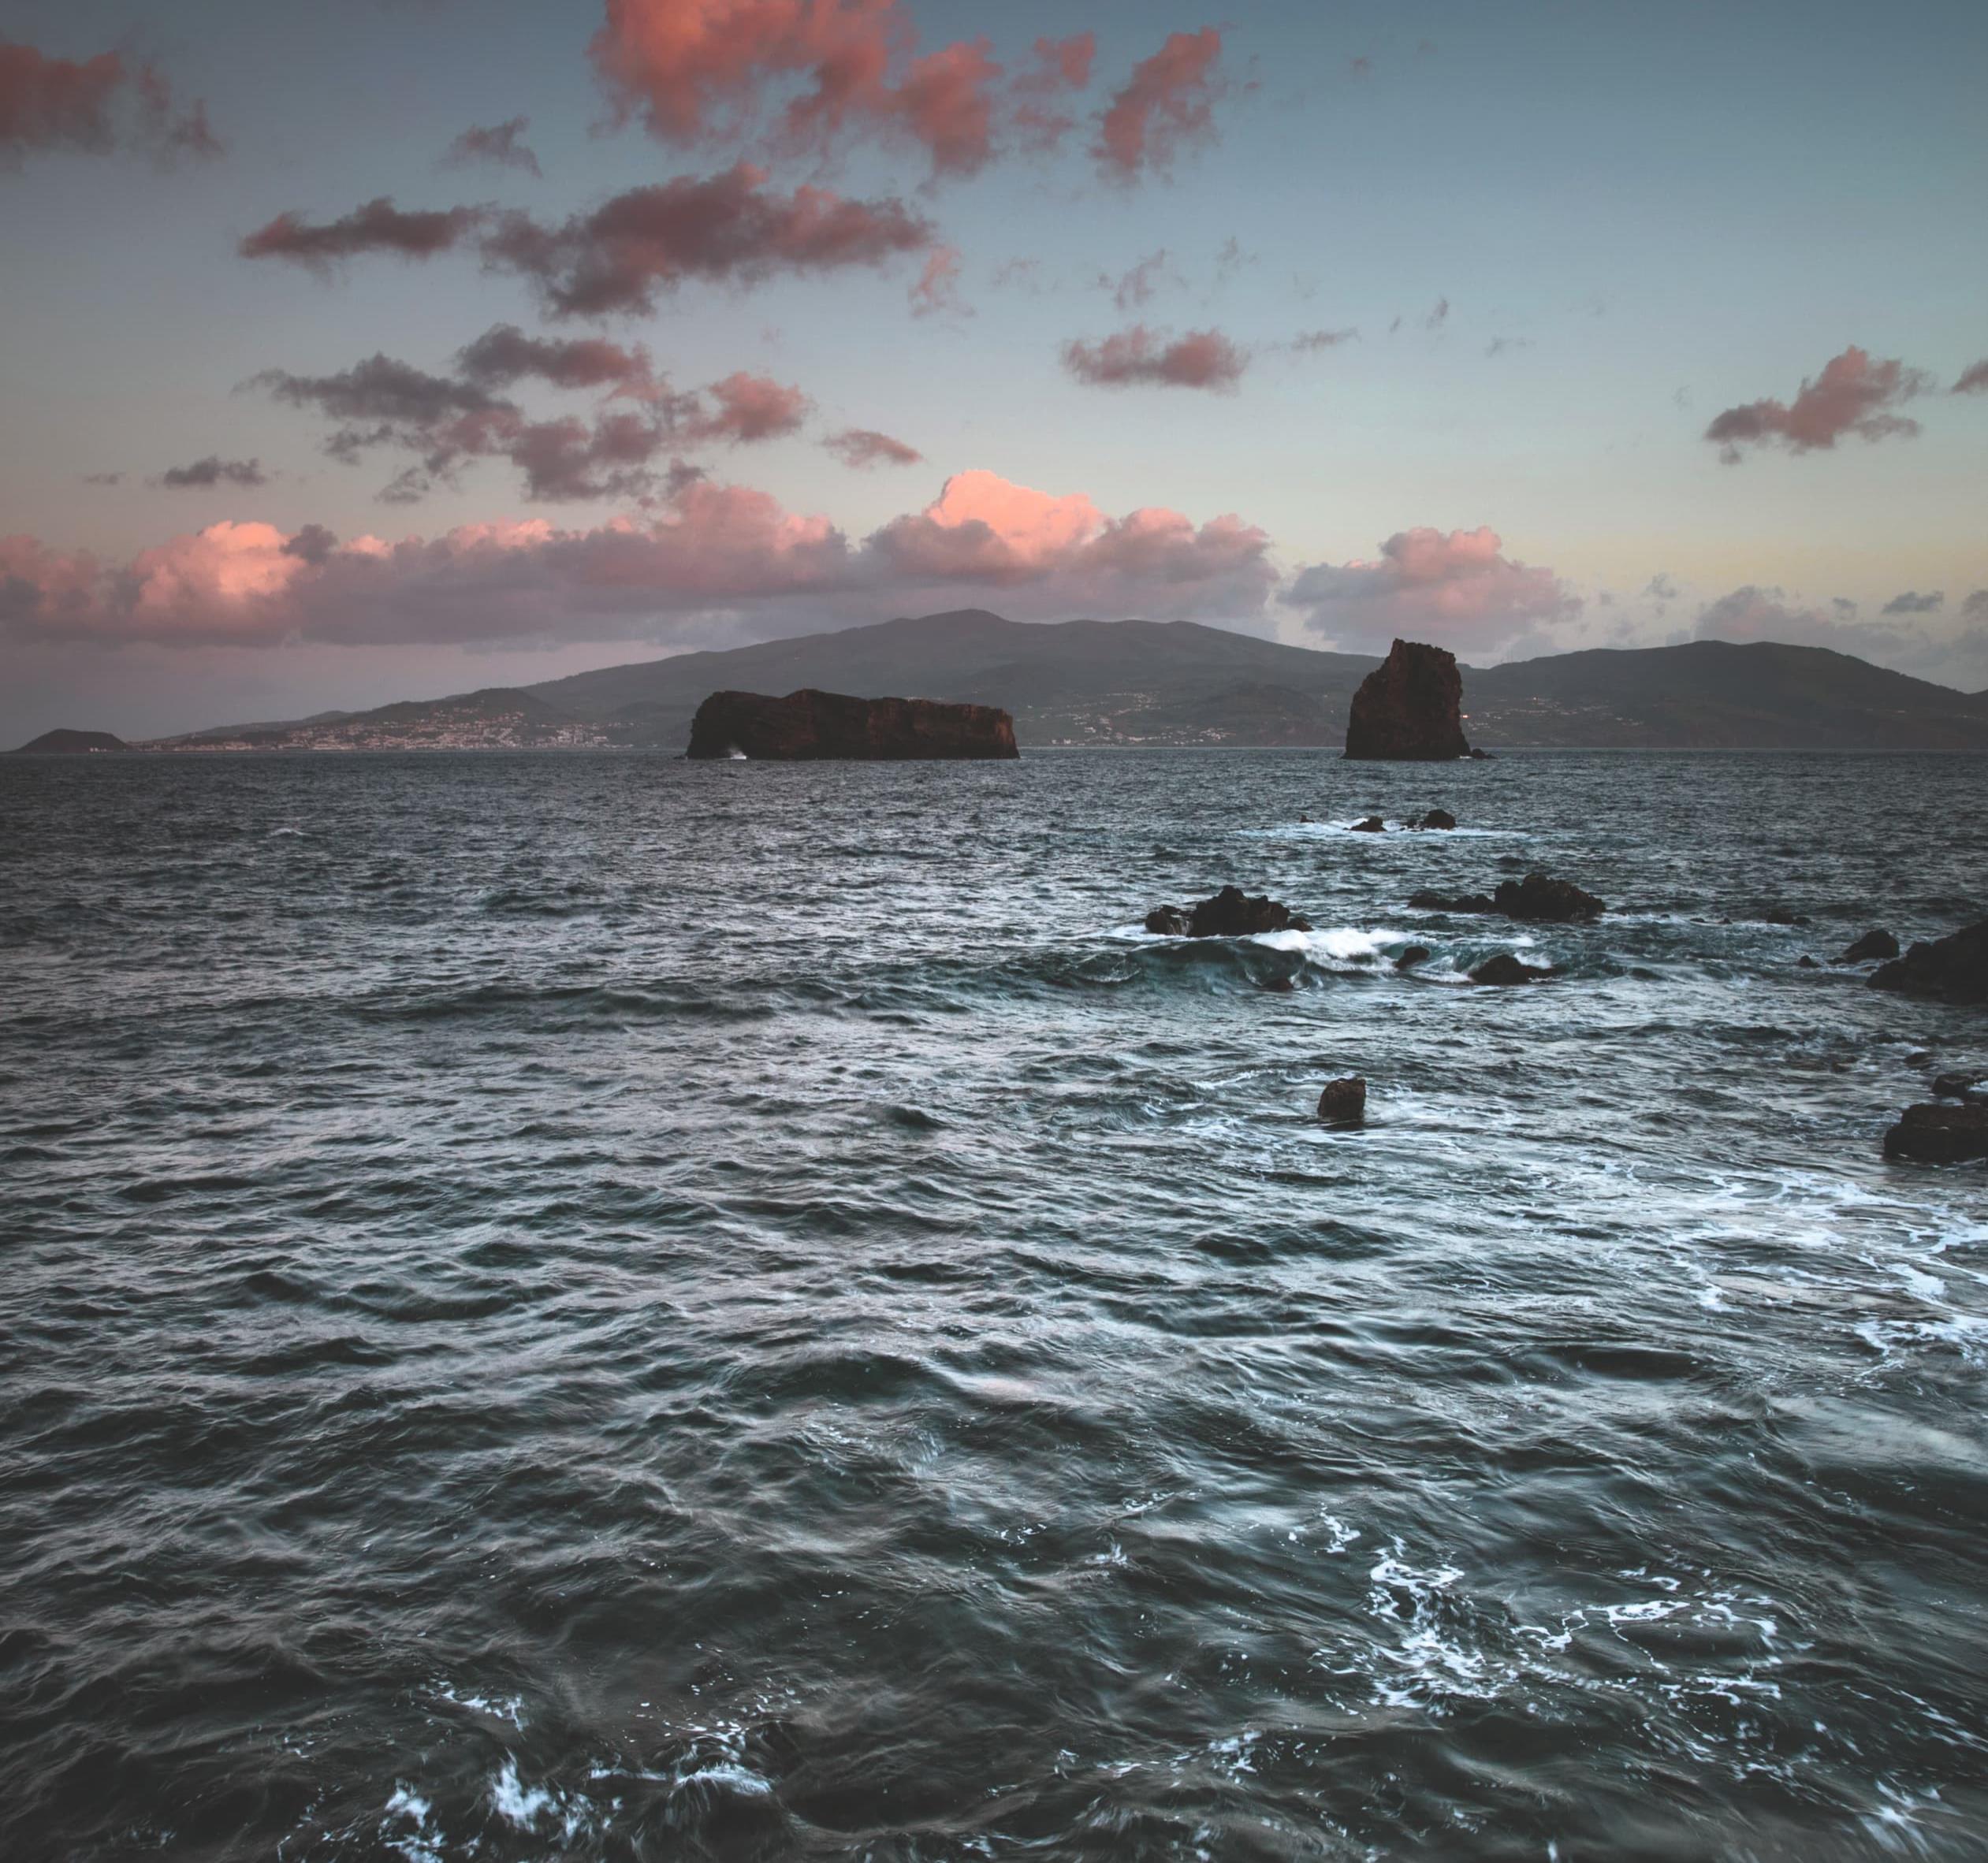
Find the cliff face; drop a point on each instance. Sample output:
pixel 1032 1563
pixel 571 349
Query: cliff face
pixel 1410 707
pixel 809 725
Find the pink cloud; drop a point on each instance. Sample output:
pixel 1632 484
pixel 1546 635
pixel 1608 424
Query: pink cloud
pixel 937 292
pixel 93 105
pixel 1973 381
pixel 709 550
pixel 749 407
pixel 1459 588
pixel 502 144
pixel 1200 359
pixel 378 226
pixel 504 354
pixel 861 447
pixel 1167 105
pixel 1062 67
pixel 1854 394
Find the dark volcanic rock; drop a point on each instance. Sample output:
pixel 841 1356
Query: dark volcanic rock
pixel 1541 899
pixel 1428 901
pixel 1954 969
pixel 1939 1134
pixel 1505 969
pixel 1410 707
pixel 1436 818
pixel 1780 915
pixel 1344 1102
pixel 1230 913
pixel 68 743
pixel 1805 962
pixel 1415 954
pixel 1958 1086
pixel 1873 944
pixel 807 726
pixel 1371 824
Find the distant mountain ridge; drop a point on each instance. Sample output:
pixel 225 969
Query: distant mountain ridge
pixel 1180 683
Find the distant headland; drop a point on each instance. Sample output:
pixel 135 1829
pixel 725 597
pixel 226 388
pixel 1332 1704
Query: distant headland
pixel 70 743
pixel 809 726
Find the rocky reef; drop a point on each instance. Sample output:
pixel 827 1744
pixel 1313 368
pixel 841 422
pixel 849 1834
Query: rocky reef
pixel 1537 899
pixel 809 726
pixel 1954 969
pixel 1230 913
pixel 1410 707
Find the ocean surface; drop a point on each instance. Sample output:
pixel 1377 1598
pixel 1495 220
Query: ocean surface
pixel 595 1306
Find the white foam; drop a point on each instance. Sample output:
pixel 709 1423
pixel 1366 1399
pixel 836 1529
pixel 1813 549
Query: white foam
pixel 523 1806
pixel 508 1708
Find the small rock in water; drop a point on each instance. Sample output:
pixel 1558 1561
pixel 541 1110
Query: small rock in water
pixel 1873 944
pixel 1539 898
pixel 1437 818
pixel 1479 902
pixel 1960 1086
pixel 1805 962
pixel 1505 969
pixel 1939 1134
pixel 1780 915
pixel 1371 824
pixel 1415 954
pixel 1344 1102
pixel 1230 913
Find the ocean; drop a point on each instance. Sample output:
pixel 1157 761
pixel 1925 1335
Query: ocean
pixel 589 1306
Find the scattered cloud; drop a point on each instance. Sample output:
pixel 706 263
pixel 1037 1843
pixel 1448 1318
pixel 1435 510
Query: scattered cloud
pixel 1310 342
pixel 500 144
pixel 1661 587
pixel 1200 359
pixel 1975 607
pixel 1166 106
pixel 1439 315
pixel 831 72
pixel 862 448
pixel 104 478
pixel 709 550
pixel 936 291
pixel 503 354
pixel 1854 394
pixel 1912 602
pixel 1973 379
pixel 1498 345
pixel 1460 589
pixel 94 106
pixel 747 407
pixel 1135 285
pixel 727 227
pixel 204 474
pixel 378 226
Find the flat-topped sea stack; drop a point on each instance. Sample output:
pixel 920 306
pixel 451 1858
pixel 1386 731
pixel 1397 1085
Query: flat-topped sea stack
pixel 1409 708
pixel 809 726
pixel 68 743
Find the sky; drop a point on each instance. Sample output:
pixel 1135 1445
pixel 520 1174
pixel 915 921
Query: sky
pixel 356 353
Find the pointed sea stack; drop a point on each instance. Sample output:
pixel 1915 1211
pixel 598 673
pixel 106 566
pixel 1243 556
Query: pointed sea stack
pixel 808 727
pixel 1409 708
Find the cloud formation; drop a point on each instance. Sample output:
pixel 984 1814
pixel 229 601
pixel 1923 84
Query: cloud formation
pixel 861 447
pixel 1973 379
pixel 834 71
pixel 1912 602
pixel 729 229
pixel 1457 589
pixel 94 106
pixel 1167 105
pixel 1854 394
pixel 214 470
pixel 709 550
pixel 1200 359
pixel 500 144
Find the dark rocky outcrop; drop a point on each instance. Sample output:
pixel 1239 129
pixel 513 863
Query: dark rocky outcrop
pixel 1542 900
pixel 68 743
pixel 1952 969
pixel 1873 944
pixel 1538 899
pixel 1780 915
pixel 1939 1134
pixel 1415 954
pixel 1505 969
pixel 1230 913
pixel 1805 962
pixel 808 726
pixel 1371 825
pixel 1962 1085
pixel 1344 1102
pixel 1436 818
pixel 1409 708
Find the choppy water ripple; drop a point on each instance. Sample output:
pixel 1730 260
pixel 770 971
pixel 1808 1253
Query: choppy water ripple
pixel 601 1307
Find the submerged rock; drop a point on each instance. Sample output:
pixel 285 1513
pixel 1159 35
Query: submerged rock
pixel 1780 915
pixel 1428 901
pixel 1939 1134
pixel 1805 962
pixel 1952 969
pixel 1371 825
pixel 1505 968
pixel 1873 944
pixel 1230 913
pixel 1410 707
pixel 809 726
pixel 1344 1102
pixel 1415 954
